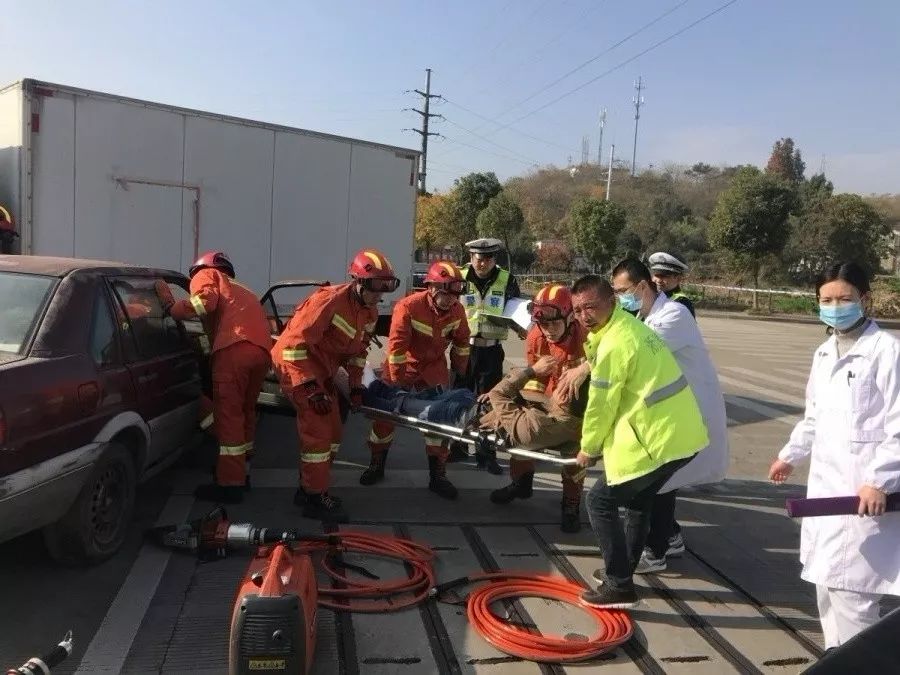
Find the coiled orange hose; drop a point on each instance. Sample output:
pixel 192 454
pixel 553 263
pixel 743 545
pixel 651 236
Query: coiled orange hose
pixel 614 626
pixel 376 595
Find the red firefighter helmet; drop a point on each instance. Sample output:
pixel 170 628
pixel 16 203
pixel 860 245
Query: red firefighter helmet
pixel 446 276
pixel 552 303
pixel 372 268
pixel 215 259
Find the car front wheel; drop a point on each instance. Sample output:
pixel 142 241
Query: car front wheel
pixel 97 523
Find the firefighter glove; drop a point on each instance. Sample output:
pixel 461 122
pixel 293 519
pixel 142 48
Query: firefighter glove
pixel 318 400
pixel 164 293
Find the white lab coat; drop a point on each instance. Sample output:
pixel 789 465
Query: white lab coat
pixel 852 430
pixel 674 324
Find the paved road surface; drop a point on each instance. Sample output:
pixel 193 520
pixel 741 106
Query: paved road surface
pixel 733 603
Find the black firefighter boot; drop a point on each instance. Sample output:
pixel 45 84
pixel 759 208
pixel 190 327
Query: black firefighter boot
pixel 375 472
pixel 437 469
pixel 519 488
pixel 570 520
pixel 486 458
pixel 325 508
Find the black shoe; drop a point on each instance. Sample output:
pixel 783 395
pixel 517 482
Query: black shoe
pixel 519 488
pixel 459 452
pixel 375 472
pixel 599 576
pixel 325 508
pixel 300 498
pixel 229 494
pixel 570 520
pixel 489 463
pixel 606 597
pixel 438 483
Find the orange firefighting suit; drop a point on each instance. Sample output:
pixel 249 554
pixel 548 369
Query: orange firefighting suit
pixel 568 353
pixel 417 344
pixel 330 329
pixel 239 331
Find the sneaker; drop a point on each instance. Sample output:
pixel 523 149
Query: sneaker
pixel 648 564
pixel 599 576
pixel 606 597
pixel 676 545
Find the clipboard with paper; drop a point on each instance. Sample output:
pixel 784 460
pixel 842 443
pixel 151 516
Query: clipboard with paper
pixel 515 315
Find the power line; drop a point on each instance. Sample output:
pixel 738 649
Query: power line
pixel 620 65
pixel 598 56
pixel 488 140
pixel 489 152
pixel 508 126
pixel 426 118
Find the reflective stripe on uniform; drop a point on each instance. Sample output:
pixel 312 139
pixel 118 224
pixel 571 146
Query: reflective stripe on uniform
pixel 534 385
pixel 600 384
pixel 578 476
pixel 207 421
pixel 462 351
pixel 315 457
pixel 450 327
pixel 433 440
pixel 663 393
pixel 293 354
pixel 344 326
pixel 204 344
pixel 423 328
pixel 358 362
pixel 197 304
pixel 397 358
pixel 233 450
pixel 375 438
pixel 334 448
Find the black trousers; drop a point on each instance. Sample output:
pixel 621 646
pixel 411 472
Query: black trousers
pixel 485 368
pixel 622 547
pixel 663 525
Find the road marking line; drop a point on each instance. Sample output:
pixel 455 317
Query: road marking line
pixel 792 383
pixel 111 643
pixel 769 393
pixel 763 409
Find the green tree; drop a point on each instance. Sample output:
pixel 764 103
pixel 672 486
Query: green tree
pixel 628 245
pixel 595 227
pixel 750 219
pixel 433 213
pixel 785 161
pixel 471 195
pixel 841 227
pixel 812 191
pixel 502 218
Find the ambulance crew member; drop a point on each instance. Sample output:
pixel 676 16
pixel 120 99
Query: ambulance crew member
pixel 331 329
pixel 671 320
pixel 851 434
pixel 668 272
pixel 240 341
pixel 489 287
pixel 641 419
pixel 423 325
pixel 558 335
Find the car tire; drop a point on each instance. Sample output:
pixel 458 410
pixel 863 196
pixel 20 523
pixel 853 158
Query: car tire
pixel 96 525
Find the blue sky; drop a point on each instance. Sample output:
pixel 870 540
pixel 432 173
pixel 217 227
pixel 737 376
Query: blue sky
pixel 821 71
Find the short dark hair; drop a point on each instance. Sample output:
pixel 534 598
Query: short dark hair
pixel 851 272
pixel 635 269
pixel 593 282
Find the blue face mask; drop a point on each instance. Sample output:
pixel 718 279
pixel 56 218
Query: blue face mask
pixel 840 316
pixel 630 302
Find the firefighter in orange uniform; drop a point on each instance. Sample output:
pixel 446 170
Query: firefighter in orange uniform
pixel 331 329
pixel 239 332
pixel 422 327
pixel 555 333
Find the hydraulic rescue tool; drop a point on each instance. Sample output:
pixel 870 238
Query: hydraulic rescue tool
pixel 42 665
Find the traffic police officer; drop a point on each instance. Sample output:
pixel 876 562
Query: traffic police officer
pixel 668 272
pixel 488 289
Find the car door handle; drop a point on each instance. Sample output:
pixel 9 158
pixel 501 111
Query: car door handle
pixel 149 377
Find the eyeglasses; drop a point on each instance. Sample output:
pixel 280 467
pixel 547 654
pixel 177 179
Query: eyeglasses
pixel 381 284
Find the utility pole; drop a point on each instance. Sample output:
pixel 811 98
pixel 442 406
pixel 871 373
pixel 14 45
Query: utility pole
pixel 638 101
pixel 423 132
pixel 600 144
pixel 612 150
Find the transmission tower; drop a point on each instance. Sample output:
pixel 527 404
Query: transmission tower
pixel 600 144
pixel 585 150
pixel 638 102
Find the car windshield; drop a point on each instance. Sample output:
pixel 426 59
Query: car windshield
pixel 21 298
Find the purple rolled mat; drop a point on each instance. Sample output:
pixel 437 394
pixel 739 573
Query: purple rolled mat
pixel 833 506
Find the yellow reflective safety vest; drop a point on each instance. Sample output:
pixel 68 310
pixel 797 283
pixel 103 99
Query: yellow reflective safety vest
pixel 641 413
pixel 479 307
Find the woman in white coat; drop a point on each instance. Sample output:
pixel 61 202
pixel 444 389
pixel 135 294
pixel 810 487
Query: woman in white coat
pixel 673 322
pixel 851 433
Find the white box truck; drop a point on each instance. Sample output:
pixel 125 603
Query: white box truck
pixel 93 175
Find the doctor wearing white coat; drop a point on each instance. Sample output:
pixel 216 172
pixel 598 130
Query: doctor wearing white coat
pixel 673 322
pixel 851 434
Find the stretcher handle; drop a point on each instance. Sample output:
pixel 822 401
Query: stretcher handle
pixel 42 665
pixel 833 506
